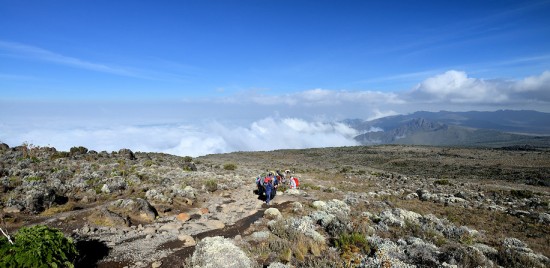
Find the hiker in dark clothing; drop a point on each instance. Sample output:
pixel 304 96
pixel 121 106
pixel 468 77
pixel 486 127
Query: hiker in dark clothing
pixel 269 188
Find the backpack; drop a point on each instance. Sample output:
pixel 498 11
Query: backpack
pixel 296 181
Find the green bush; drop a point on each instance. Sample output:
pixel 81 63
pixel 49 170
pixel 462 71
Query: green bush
pixel 38 246
pixel 187 159
pixel 211 185
pixel 229 166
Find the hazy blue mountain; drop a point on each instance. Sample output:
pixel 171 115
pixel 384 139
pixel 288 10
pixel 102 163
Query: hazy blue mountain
pixel 499 128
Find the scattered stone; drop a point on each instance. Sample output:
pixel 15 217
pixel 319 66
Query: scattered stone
pixel 203 211
pixel 156 264
pixel 13 209
pixel 293 192
pixel 105 189
pixel 183 217
pixel 187 239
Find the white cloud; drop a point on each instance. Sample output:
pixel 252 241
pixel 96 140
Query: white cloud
pixel 379 114
pixel 534 83
pixel 456 86
pixel 266 134
pixel 334 97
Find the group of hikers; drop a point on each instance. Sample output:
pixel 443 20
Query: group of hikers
pixel 269 183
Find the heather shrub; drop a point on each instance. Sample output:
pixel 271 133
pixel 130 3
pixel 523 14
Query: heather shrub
pixel 211 185
pixel 229 166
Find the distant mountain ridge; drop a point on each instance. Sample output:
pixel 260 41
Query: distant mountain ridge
pixel 499 128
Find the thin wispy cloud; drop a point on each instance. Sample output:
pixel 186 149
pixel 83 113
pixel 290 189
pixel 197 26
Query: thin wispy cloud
pixel 28 52
pixel 40 54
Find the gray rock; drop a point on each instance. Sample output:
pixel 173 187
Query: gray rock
pixel 297 207
pixel 544 218
pixel 272 213
pixel 189 166
pixel 213 252
pixel 135 208
pixel 127 154
pixel 260 236
pixel 105 189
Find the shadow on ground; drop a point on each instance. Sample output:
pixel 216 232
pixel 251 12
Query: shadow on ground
pixel 90 252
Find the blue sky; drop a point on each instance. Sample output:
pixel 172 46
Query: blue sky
pixel 169 62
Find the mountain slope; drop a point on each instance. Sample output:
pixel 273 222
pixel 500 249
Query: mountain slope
pixel 523 121
pixel 457 128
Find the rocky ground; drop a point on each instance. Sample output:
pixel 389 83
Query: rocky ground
pixel 382 206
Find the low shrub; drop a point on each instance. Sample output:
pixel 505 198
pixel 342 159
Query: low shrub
pixel 229 166
pixel 521 193
pixel 442 182
pixel 211 185
pixel 38 246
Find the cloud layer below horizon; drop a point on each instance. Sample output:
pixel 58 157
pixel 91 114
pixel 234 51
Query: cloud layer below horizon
pixel 214 137
pixel 254 121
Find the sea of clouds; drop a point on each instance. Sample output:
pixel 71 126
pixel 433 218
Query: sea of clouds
pixel 193 140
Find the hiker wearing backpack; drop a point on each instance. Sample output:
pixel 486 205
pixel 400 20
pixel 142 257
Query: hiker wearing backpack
pixel 260 185
pixel 275 183
pixel 269 187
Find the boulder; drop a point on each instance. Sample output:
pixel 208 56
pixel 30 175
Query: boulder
pixel 135 208
pixel 189 166
pixel 272 213
pixel 4 147
pixel 189 192
pixel 126 154
pixel 216 252
pixel 105 217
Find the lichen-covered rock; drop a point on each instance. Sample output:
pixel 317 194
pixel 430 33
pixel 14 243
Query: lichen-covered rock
pixel 105 217
pixel 297 206
pixel 155 195
pixel 213 252
pixel 272 213
pixel 135 208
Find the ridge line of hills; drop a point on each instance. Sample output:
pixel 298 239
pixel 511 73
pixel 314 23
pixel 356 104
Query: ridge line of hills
pixel 492 129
